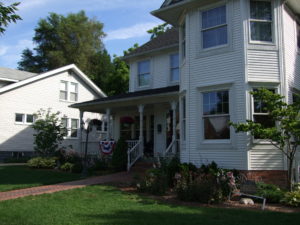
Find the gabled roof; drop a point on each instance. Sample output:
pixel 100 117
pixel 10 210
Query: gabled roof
pixel 14 75
pixel 166 40
pixel 170 2
pixel 41 76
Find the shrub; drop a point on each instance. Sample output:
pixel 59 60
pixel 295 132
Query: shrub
pixel 292 198
pixel 68 167
pixel 155 182
pixel 271 192
pixel 16 160
pixel 119 157
pixel 70 156
pixel 100 164
pixel 48 132
pixel 42 163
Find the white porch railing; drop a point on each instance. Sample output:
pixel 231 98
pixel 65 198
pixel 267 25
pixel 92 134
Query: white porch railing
pixel 172 148
pixel 134 152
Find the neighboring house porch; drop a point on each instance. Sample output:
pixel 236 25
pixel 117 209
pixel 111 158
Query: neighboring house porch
pixel 148 120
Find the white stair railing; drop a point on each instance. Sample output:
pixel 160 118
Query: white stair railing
pixel 134 152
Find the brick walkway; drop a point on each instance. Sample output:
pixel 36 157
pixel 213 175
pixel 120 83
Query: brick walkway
pixel 122 177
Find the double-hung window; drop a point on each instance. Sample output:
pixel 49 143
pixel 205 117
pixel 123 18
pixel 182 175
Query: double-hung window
pixel 298 35
pixel 261 115
pixel 214 27
pixel 261 21
pixel 216 115
pixel 174 58
pixel 144 73
pixel 70 127
pixel 183 40
pixel 68 91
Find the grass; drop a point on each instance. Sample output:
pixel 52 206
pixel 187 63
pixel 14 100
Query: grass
pixel 17 177
pixel 109 206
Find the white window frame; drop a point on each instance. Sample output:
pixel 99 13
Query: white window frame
pixel 138 74
pixel 218 26
pixel 259 20
pixel 183 112
pixel 174 68
pixel 24 119
pixel 298 35
pixel 69 127
pixel 216 141
pixel 257 140
pixel 68 84
pixel 183 41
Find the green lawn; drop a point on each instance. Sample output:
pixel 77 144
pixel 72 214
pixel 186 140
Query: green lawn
pixel 17 177
pixel 109 206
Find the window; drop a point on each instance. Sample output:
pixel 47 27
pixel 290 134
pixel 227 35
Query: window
pixel 183 112
pixel 214 27
pixel 68 91
pixel 183 41
pixel 144 73
pixel 63 94
pixel 296 97
pixel 21 118
pixel 174 67
pixel 216 115
pixel 261 20
pixel 70 126
pixel 298 35
pixel 261 115
pixel 73 92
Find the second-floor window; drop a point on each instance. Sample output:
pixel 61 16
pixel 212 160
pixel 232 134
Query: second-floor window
pixel 174 61
pixel 21 118
pixel 214 27
pixel 298 35
pixel 144 73
pixel 68 91
pixel 261 20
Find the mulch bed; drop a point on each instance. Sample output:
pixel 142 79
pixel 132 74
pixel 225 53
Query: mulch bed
pixel 170 198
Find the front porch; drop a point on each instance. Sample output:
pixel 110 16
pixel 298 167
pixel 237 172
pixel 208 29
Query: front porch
pixel 147 120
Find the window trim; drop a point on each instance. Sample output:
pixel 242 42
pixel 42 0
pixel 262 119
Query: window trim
pixel 298 35
pixel 138 74
pixel 24 119
pixel 216 141
pixel 69 128
pixel 254 42
pixel 183 113
pixel 69 91
pixel 173 68
pixel 214 27
pixel 276 90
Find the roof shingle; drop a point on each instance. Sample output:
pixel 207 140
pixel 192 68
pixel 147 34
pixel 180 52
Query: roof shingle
pixel 15 74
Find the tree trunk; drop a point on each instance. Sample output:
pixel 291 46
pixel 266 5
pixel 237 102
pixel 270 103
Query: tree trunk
pixel 290 174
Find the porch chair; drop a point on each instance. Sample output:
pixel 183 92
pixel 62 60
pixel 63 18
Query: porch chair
pixel 247 188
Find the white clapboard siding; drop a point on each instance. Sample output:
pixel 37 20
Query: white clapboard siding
pixel 28 99
pixel 266 159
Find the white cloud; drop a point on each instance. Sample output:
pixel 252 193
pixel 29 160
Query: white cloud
pixel 30 4
pixel 138 30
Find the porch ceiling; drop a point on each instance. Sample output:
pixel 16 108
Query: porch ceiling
pixel 130 101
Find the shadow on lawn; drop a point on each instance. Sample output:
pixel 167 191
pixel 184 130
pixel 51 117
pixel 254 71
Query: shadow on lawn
pixel 207 216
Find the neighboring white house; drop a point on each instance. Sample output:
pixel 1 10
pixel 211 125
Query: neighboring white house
pixel 224 49
pixel 22 94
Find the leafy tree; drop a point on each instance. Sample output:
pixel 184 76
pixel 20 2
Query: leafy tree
pixel 48 132
pixel 63 40
pixel 118 81
pixel 285 136
pixel 8 15
pixel 160 29
pixel 131 49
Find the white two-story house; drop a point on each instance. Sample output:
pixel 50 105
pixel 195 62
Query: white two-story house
pixel 187 84
pixel 23 94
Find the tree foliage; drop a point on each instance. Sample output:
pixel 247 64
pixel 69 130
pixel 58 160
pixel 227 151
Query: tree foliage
pixel 8 15
pixel 63 40
pixel 158 30
pixel 48 132
pixel 285 136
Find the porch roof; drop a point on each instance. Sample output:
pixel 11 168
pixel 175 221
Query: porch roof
pixel 129 100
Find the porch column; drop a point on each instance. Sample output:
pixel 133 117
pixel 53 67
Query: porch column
pixel 81 124
pixel 108 123
pixel 141 138
pixel 173 106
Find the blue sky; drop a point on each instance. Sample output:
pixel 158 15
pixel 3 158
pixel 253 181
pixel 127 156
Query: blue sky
pixel 125 23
